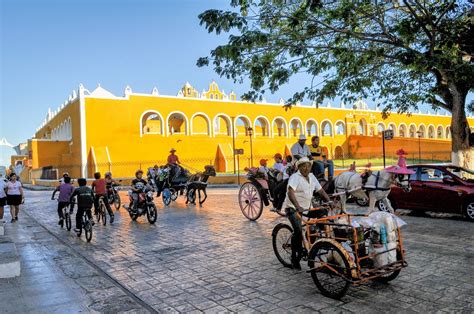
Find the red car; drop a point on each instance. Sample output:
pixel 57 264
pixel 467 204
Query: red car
pixel 438 188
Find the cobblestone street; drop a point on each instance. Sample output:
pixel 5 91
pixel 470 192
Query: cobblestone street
pixel 213 259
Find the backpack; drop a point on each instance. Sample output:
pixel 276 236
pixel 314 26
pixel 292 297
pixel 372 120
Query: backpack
pixel 84 197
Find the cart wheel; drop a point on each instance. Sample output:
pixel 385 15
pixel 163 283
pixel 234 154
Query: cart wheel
pixel 330 269
pixel 390 276
pixel 166 195
pixel 281 240
pixel 362 202
pixel 191 196
pixel 250 201
pixel 174 194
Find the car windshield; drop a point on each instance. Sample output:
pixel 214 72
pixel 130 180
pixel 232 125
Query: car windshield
pixel 462 173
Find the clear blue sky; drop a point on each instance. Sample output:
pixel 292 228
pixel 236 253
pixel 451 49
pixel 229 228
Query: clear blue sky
pixel 49 47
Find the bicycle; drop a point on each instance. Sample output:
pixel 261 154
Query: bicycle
pixel 66 215
pixel 102 211
pixel 86 225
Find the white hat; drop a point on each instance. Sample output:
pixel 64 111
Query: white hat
pixel 302 137
pixel 303 160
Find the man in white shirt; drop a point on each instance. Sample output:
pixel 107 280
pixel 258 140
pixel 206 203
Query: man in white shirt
pixel 300 149
pixel 301 187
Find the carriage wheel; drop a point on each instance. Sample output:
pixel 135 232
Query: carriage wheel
pixel 281 240
pixel 174 194
pixel 250 201
pixel 166 195
pixel 191 196
pixel 390 276
pixel 330 269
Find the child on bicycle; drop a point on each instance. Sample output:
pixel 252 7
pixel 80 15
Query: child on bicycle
pixel 85 199
pixel 65 191
pixel 100 190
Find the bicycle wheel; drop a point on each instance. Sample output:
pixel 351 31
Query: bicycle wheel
pixel 117 201
pixel 68 220
pixel 88 230
pixel 166 195
pixel 281 241
pixel 103 213
pixel 151 213
pixel 250 201
pixel 330 269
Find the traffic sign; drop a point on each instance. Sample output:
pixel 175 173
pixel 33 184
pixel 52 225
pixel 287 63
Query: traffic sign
pixel 239 151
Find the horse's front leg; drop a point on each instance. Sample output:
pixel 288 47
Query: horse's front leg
pixel 372 201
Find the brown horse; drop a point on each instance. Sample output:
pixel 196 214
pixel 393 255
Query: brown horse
pixel 197 183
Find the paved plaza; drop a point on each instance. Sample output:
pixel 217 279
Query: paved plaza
pixel 212 259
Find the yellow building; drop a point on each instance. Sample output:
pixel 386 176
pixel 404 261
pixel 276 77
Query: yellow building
pixel 99 131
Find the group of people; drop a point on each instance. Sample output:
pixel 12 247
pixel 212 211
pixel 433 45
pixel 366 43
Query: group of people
pixel 11 194
pixel 86 197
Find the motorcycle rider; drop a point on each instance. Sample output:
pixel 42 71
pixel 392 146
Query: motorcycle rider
pixel 99 188
pixel 135 191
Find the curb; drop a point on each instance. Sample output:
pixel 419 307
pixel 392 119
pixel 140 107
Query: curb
pixel 9 259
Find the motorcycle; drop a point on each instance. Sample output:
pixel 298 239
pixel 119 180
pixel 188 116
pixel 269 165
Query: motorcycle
pixel 145 204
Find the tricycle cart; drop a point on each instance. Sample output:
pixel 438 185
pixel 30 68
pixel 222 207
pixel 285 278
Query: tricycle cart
pixel 340 254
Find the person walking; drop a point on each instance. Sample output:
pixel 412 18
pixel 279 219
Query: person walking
pixel 3 196
pixel 14 196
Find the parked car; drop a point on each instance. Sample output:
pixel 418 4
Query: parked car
pixel 438 188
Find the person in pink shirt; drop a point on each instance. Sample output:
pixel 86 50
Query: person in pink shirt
pixel 100 190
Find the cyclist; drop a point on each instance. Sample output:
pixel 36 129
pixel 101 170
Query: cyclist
pixel 85 199
pixel 99 188
pixel 301 187
pixel 138 179
pixel 65 191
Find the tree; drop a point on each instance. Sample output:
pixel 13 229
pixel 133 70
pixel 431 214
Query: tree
pixel 406 52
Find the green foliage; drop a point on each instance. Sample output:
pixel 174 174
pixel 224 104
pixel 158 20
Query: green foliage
pixel 405 52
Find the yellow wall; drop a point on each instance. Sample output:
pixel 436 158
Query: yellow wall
pixel 119 137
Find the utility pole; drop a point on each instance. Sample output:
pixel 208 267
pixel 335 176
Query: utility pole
pixel 233 141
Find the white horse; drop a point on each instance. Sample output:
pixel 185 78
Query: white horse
pixel 377 187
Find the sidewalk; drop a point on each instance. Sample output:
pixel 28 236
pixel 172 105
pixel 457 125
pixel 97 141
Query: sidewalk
pixel 54 279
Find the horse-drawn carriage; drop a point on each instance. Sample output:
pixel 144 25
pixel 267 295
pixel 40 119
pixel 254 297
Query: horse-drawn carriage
pixel 171 181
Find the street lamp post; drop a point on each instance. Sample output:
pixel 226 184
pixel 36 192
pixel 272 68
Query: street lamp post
pixel 250 133
pixel 233 141
pixel 419 145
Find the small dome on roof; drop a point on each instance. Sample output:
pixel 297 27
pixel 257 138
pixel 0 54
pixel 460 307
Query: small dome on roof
pixel 101 92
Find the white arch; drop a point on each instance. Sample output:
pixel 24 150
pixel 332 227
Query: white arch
pixel 428 131
pixel 330 127
pixel 394 128
pixel 424 129
pixel 285 125
pixel 154 112
pixel 405 130
pixel 186 127
pixel 70 127
pixel 442 131
pixel 209 128
pixel 384 127
pixel 269 131
pixel 246 121
pixel 311 120
pixel 227 119
pixel 336 126
pixel 409 130
pixel 290 126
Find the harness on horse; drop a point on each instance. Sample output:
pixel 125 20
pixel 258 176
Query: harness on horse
pixel 376 186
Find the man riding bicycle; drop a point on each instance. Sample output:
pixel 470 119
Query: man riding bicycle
pixel 85 199
pixel 301 187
